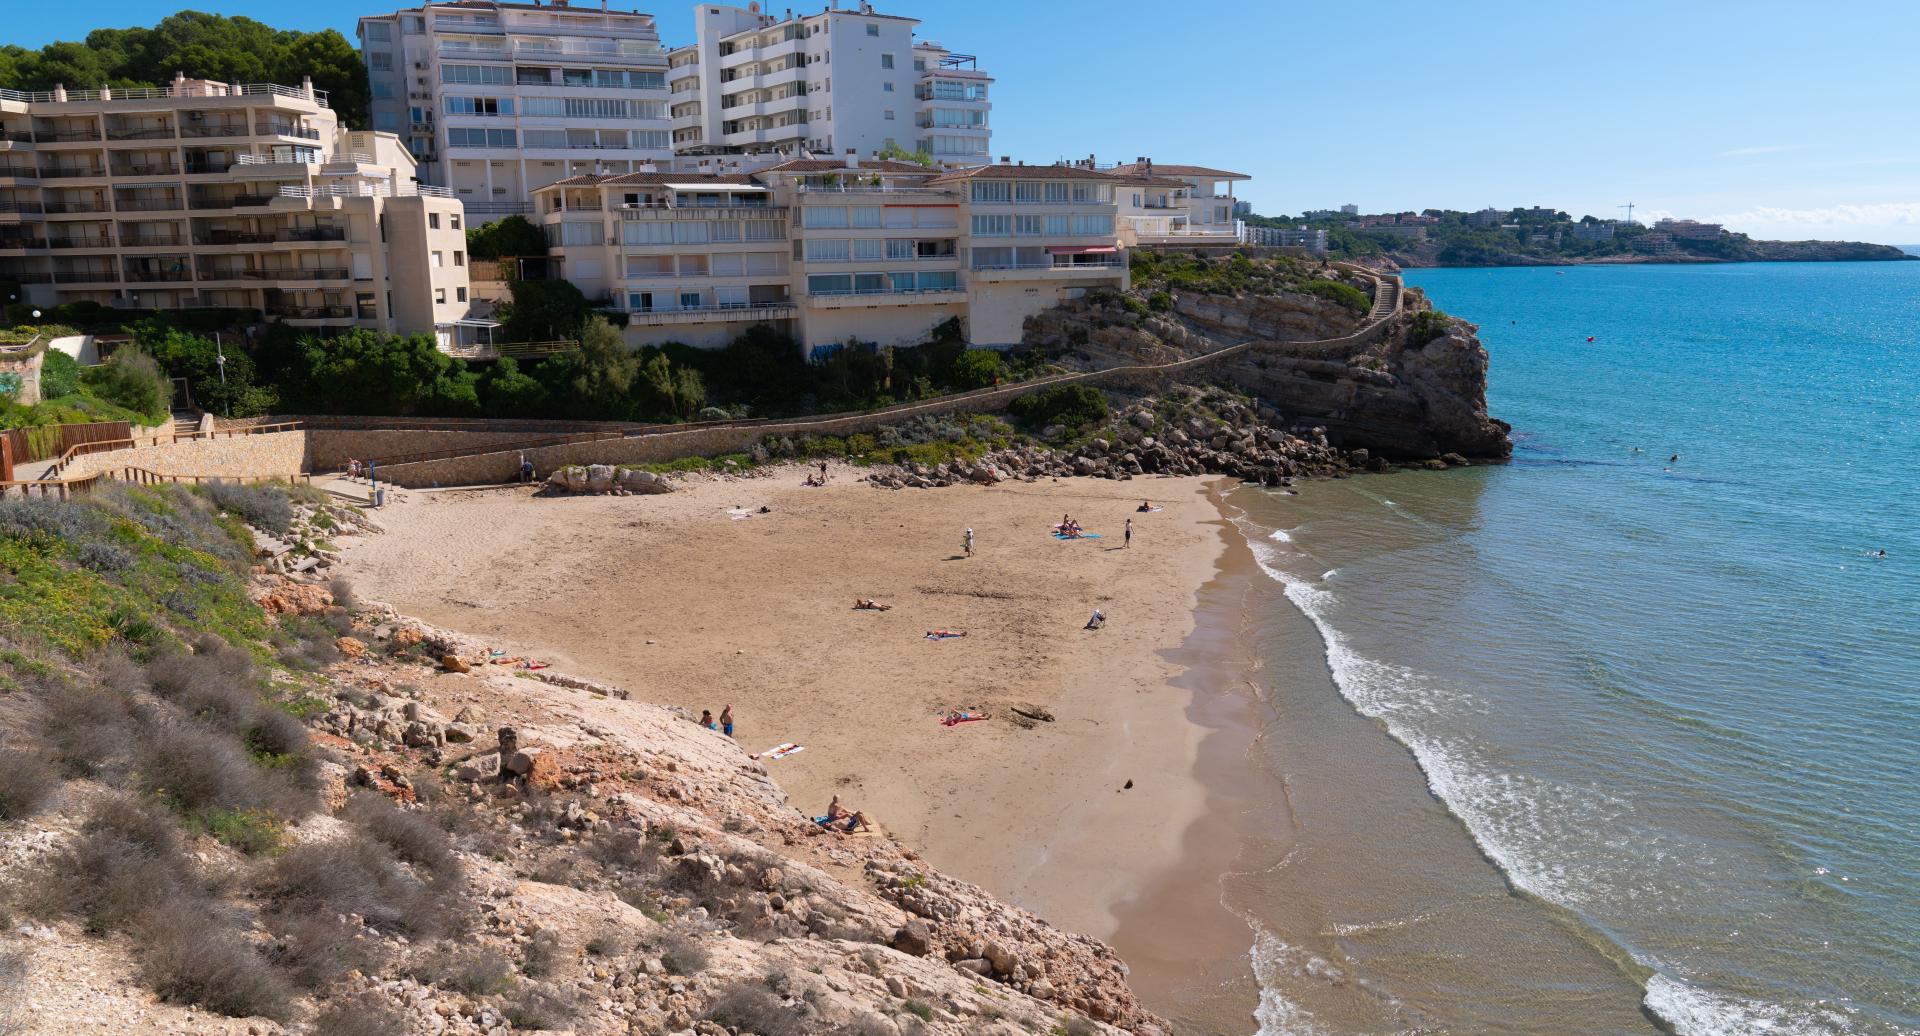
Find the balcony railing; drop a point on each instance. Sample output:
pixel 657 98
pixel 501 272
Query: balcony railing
pixel 746 309
pixel 283 130
pixel 297 274
pixel 68 137
pixel 230 237
pixel 1105 264
pixel 59 174
pixel 145 133
pixel 870 189
pixel 136 205
pixel 310 312
pixel 164 169
pixel 26 207
pixel 381 189
pixel 149 241
pixel 159 276
pixel 22 242
pixel 311 234
pixel 86 275
pixel 957 289
pixel 237 201
pixel 215 130
pixel 79 242
pixel 77 206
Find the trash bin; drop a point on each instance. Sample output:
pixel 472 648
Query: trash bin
pixel 380 497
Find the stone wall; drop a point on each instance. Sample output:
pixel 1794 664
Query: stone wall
pixel 329 449
pixel 274 454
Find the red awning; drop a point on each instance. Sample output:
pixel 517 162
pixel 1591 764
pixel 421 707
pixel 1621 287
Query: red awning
pixel 1080 249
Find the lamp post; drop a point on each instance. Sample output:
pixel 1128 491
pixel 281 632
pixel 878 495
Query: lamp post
pixel 220 361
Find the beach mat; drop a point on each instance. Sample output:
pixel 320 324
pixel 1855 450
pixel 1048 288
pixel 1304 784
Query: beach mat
pixel 781 751
pixel 943 636
pixel 1082 536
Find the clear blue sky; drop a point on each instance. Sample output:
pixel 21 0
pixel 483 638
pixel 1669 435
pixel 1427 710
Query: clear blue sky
pixel 1780 119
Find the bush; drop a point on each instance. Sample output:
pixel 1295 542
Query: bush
pixel 976 368
pixel 125 859
pixel 316 951
pixel 542 1008
pixel 410 835
pixel 59 375
pixel 1345 294
pixel 1160 301
pixel 1429 324
pixel 474 971
pixel 263 507
pixel 252 831
pixel 365 1015
pixel 88 727
pixel 196 770
pixel 541 954
pixel 1074 406
pixel 514 237
pixel 192 954
pixel 747 1007
pixel 353 876
pixel 681 955
pixel 131 379
pixel 26 782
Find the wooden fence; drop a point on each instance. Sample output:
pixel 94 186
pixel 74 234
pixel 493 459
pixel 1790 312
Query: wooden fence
pixel 27 445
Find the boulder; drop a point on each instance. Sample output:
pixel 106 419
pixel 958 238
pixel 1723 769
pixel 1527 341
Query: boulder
pixel 455 664
pixel 913 939
pixel 636 481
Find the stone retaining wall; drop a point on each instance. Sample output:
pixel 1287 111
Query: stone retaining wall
pixel 274 454
pixel 329 449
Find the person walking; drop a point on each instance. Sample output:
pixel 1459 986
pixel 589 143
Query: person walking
pixel 726 721
pixel 526 469
pixel 969 541
pixel 1128 540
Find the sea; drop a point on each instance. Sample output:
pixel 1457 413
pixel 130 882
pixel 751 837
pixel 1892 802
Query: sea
pixel 1622 736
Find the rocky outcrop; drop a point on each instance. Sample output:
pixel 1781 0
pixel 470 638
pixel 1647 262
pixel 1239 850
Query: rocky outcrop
pixel 604 479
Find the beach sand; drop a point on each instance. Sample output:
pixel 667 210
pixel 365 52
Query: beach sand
pixel 672 598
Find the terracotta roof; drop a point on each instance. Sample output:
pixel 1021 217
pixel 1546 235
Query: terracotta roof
pixel 1164 169
pixel 652 180
pixel 1023 172
pixel 835 165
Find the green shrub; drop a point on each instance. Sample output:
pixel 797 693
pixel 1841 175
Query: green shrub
pixel 1074 406
pixel 976 368
pixel 1345 294
pixel 1133 305
pixel 59 375
pixel 1429 324
pixel 252 831
pixel 1160 301
pixel 131 379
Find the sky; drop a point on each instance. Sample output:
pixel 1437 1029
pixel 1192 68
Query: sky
pixel 1783 120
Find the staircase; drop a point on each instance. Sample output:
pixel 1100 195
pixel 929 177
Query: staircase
pixel 185 424
pixel 1386 298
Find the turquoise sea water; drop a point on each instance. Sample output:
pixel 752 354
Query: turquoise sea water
pixel 1677 698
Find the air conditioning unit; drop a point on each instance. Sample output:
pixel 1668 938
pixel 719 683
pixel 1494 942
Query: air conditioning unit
pixel 420 65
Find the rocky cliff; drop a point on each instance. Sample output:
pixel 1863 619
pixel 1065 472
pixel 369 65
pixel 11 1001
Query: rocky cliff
pixel 1414 391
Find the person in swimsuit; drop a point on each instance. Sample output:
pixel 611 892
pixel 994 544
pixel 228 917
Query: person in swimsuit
pixel 726 721
pixel 706 718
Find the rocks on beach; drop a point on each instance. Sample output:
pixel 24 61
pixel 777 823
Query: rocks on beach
pixel 605 479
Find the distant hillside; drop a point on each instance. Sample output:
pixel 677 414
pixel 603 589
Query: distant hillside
pixel 1543 237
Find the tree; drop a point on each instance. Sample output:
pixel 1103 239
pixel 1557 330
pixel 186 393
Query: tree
pixel 132 380
pixel 366 372
pixel 507 391
pixel 976 368
pixel 513 237
pixel 202 46
pixel 198 359
pixel 542 311
pixel 606 370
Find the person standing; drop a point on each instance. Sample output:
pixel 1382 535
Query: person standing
pixel 726 721
pixel 1128 540
pixel 969 541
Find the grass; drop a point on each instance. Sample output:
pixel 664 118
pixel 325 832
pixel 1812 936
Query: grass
pixel 252 831
pixel 192 955
pixel 27 781
pixel 473 971
pixel 126 858
pixel 747 1007
pixel 681 955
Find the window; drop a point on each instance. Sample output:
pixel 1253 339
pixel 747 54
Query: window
pixel 945 281
pixel 761 264
pixel 413 26
pixel 433 221
pixel 379 32
pixel 727 264
pixel 479 106
pixel 383 91
pixel 992 190
pixel 460 294
pixel 462 136
pixel 872 29
pixel 886 61
pixel 886 87
pixel 1092 226
pixel 866 215
pixel 647 233
pixel 1057 193
pixel 826 216
pixel 459 258
pixel 724 229
pixel 868 249
pixel 1028 226
pixel 900 248
pixel 380 60
pixel 1086 192
pixel 494 75
pixel 992 226
pixel 580 233
pixel 440 296
pixel 1026 191
pixel 827 250
pixel 454 223
pixel 691 300
pixel 690 233
pixel 439 259
pixel 992 258
pixel 1058 226
pixel 888 114
pixel 385 122
pixel 650 266
pixel 829 284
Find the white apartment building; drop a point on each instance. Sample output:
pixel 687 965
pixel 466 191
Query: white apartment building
pixel 855 79
pixel 203 194
pixel 496 99
pixel 1154 212
pixel 830 251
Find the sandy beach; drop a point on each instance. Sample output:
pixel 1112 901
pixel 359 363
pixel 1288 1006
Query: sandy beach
pixel 676 599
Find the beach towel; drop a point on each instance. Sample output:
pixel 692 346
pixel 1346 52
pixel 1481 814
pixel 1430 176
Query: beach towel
pixel 532 664
pixel 948 721
pixel 504 660
pixel 781 751
pixel 944 634
pixel 1148 510
pixel 1082 536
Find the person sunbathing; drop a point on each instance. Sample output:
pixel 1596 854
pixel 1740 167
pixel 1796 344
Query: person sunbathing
pixel 944 634
pixel 868 604
pixel 956 716
pixel 1098 620
pixel 1144 506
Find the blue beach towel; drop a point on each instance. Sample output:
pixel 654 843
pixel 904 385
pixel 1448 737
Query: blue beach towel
pixel 1082 536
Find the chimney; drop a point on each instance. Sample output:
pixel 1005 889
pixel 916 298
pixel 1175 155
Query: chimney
pixel 853 159
pixel 1006 159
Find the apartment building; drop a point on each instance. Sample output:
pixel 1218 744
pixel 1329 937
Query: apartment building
pixel 1203 214
pixel 1689 230
pixel 831 250
pixel 199 194
pixel 496 99
pixel 753 83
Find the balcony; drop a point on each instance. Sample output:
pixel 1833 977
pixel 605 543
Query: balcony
pixel 146 169
pixel 291 274
pixel 659 212
pixel 88 136
pixel 222 129
pixel 238 201
pixel 311 234
pixel 731 313
pixel 1047 271
pixel 288 130
pixel 74 207
pixel 140 205
pixel 18 177
pixel 140 133
pixel 310 312
pixel 201 166
pixel 80 242
pixel 623 50
pixel 152 241
pixel 70 173
pixel 86 275
pixel 862 298
pixel 17 210
pixel 159 276
pixel 15 243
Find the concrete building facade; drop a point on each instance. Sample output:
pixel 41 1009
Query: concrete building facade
pixel 204 194
pixel 1201 213
pixel 753 83
pixel 496 99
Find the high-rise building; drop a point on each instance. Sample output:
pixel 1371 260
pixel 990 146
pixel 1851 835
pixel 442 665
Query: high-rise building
pixel 204 194
pixel 496 99
pixel 830 82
